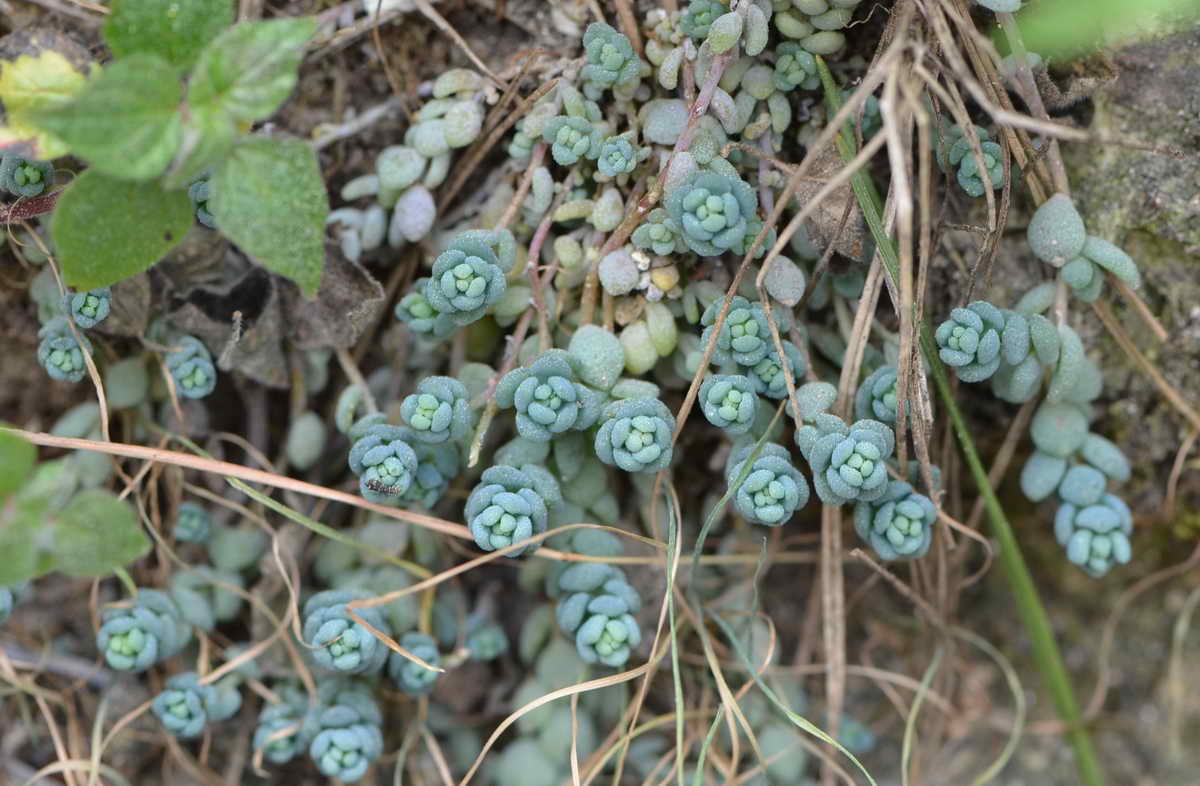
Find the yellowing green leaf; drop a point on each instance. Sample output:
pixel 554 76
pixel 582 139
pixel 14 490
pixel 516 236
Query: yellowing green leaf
pixel 33 83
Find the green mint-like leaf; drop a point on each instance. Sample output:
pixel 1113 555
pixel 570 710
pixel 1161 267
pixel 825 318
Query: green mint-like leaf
pixel 126 122
pixel 22 525
pixel 16 460
pixel 96 533
pixel 208 136
pixel 107 230
pixel 175 31
pixel 269 198
pixel 250 69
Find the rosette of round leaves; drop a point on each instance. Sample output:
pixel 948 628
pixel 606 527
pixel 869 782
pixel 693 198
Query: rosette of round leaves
pixel 729 402
pixel 817 24
pixel 898 525
pixel 794 67
pixel 617 156
pixel 384 461
pixel 137 636
pixel 193 524
pixel 1095 535
pixel 90 308
pixel 437 466
pixel 1056 233
pixel 191 367
pixel 714 211
pixel 510 505
pixel 848 462
pixel 969 341
pixel 636 435
pixel 206 596
pixel 1028 344
pixel 876 397
pixel 698 17
pixel 969 176
pixel 415 310
pixel 281 732
pixel 185 707
pixel 466 279
pixel 596 608
pixel 25 177
pixel 336 641
pixel 611 61
pixel 60 352
pixel 769 376
pixel 745 336
pixel 347 736
pixel 772 490
pixel 659 233
pixel 547 398
pixel 438 410
pixel 410 676
pixel 571 138
pixel 486 640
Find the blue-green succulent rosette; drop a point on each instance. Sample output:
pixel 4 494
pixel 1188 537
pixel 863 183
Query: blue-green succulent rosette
pixel 339 643
pixel 898 525
pixel 876 397
pixel 186 707
pixel 25 177
pixel 729 402
pixel 714 211
pixel 439 410
pixel 60 353
pixel 510 505
pixel 410 676
pixel 415 310
pixel 571 138
pixel 385 463
pixel 617 156
pixel 968 176
pixel 745 336
pixel 1091 524
pixel 611 61
pixel 969 341
pixel 466 279
pixel 698 17
pixel 773 489
pixel 438 464
pixel 659 233
pixel 635 435
pixel 191 366
pixel 282 732
pixel 146 632
pixel 596 609
pixel 90 308
pixel 795 67
pixel 768 376
pixel 193 524
pixel 347 737
pixel 848 462
pixel 547 397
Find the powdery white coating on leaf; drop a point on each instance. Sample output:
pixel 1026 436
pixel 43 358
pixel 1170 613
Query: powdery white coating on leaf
pixel 1041 475
pixel 663 120
pixel 640 354
pixel 618 272
pixel 1056 233
pixel 1058 429
pixel 599 354
pixel 412 217
pixel 785 281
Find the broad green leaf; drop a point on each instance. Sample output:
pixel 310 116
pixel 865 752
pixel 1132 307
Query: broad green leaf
pixel 269 198
pixel 96 533
pixel 106 230
pixel 17 458
pixel 249 70
pixel 1065 29
pixel 175 31
pixel 126 123
pixel 23 540
pixel 33 83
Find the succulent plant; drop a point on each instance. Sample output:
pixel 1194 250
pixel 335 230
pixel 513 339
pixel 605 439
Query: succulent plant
pixel 464 282
pixel 410 676
pixel 596 608
pixel 898 525
pixel 698 17
pixel 795 67
pixel 191 367
pixel 1056 233
pixel 61 353
pixel 744 338
pixel 509 505
pixel 659 233
pixel 421 316
pixel 437 466
pixel 384 462
pixel 969 341
pixel 876 397
pixel 714 211
pixel 772 490
pixel 90 308
pixel 1096 535
pixel 438 410
pixel 729 402
pixel 769 375
pixel 336 640
pixel 547 397
pixel 636 434
pixel 571 138
pixel 193 524
pixel 186 707
pixel 25 177
pixel 617 155
pixel 611 61
pixel 147 631
pixel 347 736
pixel 282 731
pixel 848 462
